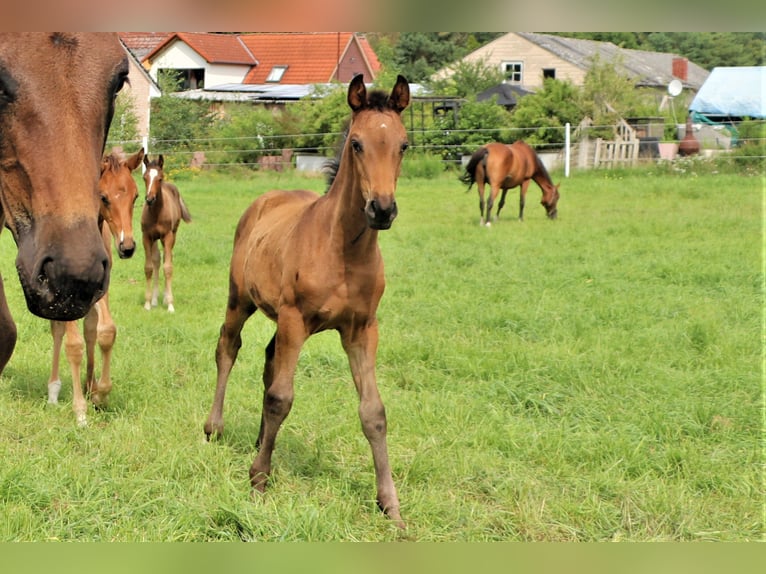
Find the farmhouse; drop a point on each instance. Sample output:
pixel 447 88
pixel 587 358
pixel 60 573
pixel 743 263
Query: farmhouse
pixel 267 67
pixel 526 59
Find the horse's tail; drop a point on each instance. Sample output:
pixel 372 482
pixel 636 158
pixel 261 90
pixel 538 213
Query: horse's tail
pixel 185 215
pixel 469 177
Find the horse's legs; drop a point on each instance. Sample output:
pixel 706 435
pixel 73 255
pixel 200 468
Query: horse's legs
pixel 480 187
pixel 229 343
pixel 268 378
pixel 74 347
pixel 167 248
pixel 7 328
pixel 500 205
pixel 361 346
pixel 522 198
pixel 278 398
pixel 106 334
pixel 58 329
pixel 90 330
pixel 151 271
pixel 493 191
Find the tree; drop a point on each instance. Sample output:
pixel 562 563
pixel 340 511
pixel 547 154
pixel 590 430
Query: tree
pixel 177 122
pixel 475 124
pixel 124 127
pixel 544 113
pixel 467 79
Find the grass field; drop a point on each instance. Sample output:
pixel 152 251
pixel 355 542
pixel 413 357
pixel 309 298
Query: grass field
pixel 594 378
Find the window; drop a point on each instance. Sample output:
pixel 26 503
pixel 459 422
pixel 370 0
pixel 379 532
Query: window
pixel 513 72
pixel 276 73
pixel 181 79
pixel 549 73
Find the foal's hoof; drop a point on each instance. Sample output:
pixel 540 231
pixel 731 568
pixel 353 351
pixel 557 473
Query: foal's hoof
pixel 393 515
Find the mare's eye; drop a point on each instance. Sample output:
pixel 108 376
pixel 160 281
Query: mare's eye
pixel 119 80
pixel 405 145
pixel 356 146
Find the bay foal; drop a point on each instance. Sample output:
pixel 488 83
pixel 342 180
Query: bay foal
pixel 312 263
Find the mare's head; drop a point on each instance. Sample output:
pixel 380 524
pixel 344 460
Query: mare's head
pixel 153 177
pixel 57 93
pixel 550 200
pixel 119 192
pixel 374 147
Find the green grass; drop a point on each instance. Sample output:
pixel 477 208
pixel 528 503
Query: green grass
pixel 594 378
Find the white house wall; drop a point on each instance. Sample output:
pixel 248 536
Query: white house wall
pixel 514 48
pixel 180 55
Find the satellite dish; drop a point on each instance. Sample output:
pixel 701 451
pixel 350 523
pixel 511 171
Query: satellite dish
pixel 675 87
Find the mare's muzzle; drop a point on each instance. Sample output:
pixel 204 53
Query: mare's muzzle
pixel 62 282
pixel 380 215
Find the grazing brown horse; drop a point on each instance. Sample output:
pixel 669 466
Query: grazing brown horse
pixel 505 167
pixel 118 193
pixel 57 94
pixel 312 263
pixel 163 211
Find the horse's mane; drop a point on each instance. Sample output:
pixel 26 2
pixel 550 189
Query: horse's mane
pixel 331 166
pixel 113 161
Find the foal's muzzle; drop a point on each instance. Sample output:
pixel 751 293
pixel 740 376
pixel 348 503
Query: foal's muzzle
pixel 379 216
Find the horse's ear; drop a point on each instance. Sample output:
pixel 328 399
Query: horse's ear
pixel 104 164
pixel 146 160
pixel 135 160
pixel 161 161
pixel 357 93
pixel 400 95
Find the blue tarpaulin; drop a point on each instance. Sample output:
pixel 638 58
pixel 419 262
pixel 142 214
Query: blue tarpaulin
pixel 732 92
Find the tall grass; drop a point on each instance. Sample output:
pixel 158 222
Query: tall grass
pixel 593 378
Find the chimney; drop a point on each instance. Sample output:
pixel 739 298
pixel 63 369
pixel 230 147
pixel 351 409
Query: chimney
pixel 681 68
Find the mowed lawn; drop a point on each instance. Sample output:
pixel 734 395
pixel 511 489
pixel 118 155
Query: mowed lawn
pixel 594 378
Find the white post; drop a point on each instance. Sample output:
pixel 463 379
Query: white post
pixel 566 150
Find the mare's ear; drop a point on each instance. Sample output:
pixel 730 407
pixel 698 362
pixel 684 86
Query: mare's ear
pixel 357 93
pixel 400 95
pixel 135 160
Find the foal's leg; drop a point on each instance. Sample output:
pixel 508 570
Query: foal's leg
pixel 229 343
pixel 58 329
pixel 268 378
pixel 106 334
pixel 74 347
pixel 7 328
pixel 167 248
pixel 361 346
pixel 278 398
pixel 522 198
pixel 151 272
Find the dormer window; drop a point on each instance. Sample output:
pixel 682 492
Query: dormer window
pixel 276 73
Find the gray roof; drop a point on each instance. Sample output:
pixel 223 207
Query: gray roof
pixel 651 69
pixel 507 94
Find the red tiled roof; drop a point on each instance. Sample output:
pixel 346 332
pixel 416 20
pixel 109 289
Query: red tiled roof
pixel 215 48
pixel 143 43
pixel 309 57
